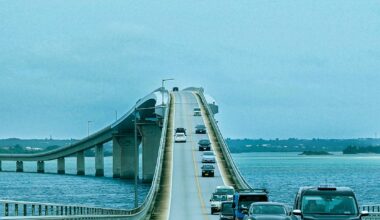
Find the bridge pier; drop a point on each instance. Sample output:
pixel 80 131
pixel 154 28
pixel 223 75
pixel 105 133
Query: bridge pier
pixel 40 166
pixel 80 163
pixel 61 165
pixel 19 166
pixel 115 157
pixel 151 135
pixel 99 160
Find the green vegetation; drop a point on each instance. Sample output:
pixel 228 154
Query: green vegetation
pixel 361 150
pixel 312 153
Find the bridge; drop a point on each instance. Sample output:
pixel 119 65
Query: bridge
pixel 174 169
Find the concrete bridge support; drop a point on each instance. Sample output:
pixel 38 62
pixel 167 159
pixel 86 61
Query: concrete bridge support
pixel 40 166
pixel 151 135
pixel 19 166
pixel 80 163
pixel 61 165
pixel 99 160
pixel 115 157
pixel 124 158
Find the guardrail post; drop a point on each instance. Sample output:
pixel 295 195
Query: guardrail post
pixel 33 209
pixel 24 210
pixel 0 166
pixel 16 209
pixel 6 209
pixel 39 210
pixel 66 209
pixel 46 210
pixel 99 160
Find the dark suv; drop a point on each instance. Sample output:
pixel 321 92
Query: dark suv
pixel 200 129
pixel 244 198
pixel 327 202
pixel 204 145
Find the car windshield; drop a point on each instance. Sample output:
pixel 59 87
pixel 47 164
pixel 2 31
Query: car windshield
pixel 227 209
pixel 180 134
pixel 226 191
pixel 267 210
pixel 204 142
pixel 246 200
pixel 209 153
pixel 197 109
pixel 208 167
pixel 219 197
pixel 329 204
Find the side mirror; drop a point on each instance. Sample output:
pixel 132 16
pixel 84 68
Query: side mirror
pixel 364 213
pixel 297 212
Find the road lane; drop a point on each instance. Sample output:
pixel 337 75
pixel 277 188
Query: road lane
pixel 190 192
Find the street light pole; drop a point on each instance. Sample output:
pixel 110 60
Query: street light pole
pixel 163 88
pixel 136 161
pixel 88 128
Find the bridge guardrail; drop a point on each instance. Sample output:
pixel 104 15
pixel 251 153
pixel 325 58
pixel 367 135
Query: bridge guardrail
pixel 236 175
pixel 57 211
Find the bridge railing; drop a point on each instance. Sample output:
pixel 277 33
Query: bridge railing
pixel 22 208
pixel 231 166
pixel 374 212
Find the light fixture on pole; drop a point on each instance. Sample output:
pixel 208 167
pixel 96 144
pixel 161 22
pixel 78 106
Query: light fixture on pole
pixel 163 89
pixel 88 128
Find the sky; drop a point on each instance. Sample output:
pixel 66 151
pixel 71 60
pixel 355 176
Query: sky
pixel 277 69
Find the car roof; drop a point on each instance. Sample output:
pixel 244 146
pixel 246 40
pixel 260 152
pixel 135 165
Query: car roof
pixel 328 190
pixel 200 126
pixel 204 141
pixel 225 187
pixel 269 203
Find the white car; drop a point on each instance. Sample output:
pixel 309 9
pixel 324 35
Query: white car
pixel 228 190
pixel 216 202
pixel 208 157
pixel 179 137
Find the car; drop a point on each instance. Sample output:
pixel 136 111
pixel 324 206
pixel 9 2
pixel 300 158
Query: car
pixel 244 198
pixel 327 202
pixel 208 157
pixel 179 137
pixel 228 190
pixel 268 210
pixel 197 112
pixel 175 89
pixel 208 170
pixel 200 129
pixel 226 211
pixel 180 130
pixel 216 201
pixel 204 145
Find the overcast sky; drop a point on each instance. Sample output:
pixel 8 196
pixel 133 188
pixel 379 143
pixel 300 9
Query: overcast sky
pixel 277 69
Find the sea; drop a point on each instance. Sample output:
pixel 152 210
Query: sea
pixel 280 173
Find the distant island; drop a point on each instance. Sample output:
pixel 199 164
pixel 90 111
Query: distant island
pixel 362 150
pixel 314 153
pixel 298 145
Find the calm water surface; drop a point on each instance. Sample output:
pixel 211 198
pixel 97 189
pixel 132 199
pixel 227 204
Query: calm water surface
pixel 284 173
pixel 69 189
pixel 281 173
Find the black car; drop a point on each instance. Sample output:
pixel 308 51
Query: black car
pixel 267 210
pixel 204 145
pixel 180 130
pixel 226 211
pixel 175 89
pixel 200 129
pixel 208 170
pixel 327 202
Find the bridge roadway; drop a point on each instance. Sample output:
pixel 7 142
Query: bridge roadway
pixel 190 191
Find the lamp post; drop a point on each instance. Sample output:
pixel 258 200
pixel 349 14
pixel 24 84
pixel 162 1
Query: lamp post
pixel 163 88
pixel 88 128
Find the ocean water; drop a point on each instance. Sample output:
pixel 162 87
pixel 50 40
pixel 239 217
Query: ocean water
pixel 283 173
pixel 70 188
